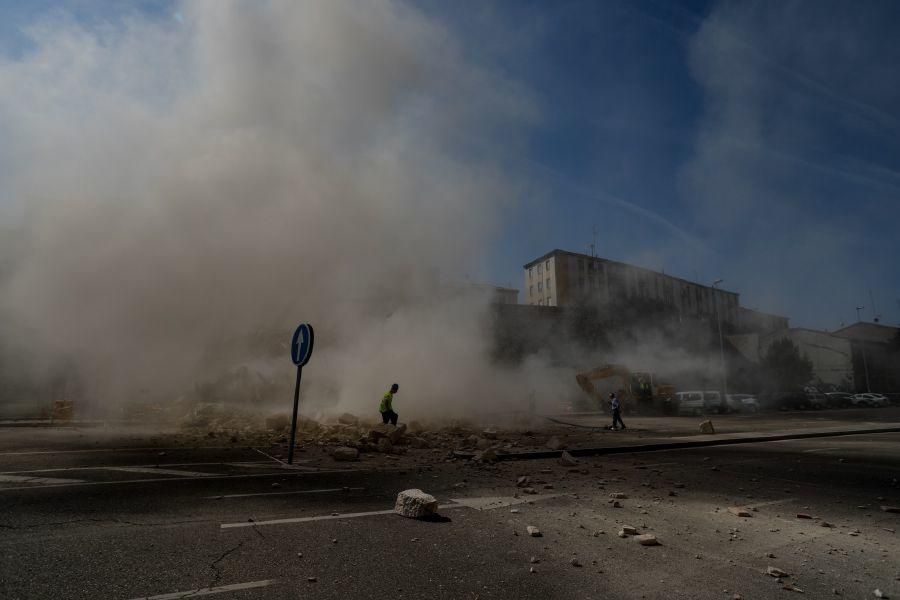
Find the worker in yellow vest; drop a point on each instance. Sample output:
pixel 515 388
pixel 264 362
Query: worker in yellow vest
pixel 386 408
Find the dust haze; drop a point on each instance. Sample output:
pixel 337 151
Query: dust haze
pixel 180 185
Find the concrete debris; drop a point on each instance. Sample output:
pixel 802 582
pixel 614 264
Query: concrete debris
pixel 647 539
pixel 533 531
pixel 415 504
pixel 483 443
pixel 803 516
pixel 532 570
pixel 534 560
pixel 707 427
pixel 554 444
pixel 890 509
pixel 879 594
pixel 792 588
pixel 739 512
pixel 617 504
pixel 396 433
pixel 776 572
pixel 345 453
pixel 529 490
pixel 348 419
pixel 418 443
pixel 567 460
pixel 485 456
pixel 490 434
pixel 618 496
pixel 384 445
pixel 629 530
pixel 622 534
pixel 523 481
pixel 575 562
pixel 312 579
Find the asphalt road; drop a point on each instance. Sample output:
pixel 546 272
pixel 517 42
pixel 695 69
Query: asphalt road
pixel 119 517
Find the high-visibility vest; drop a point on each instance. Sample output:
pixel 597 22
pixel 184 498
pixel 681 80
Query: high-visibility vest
pixel 386 402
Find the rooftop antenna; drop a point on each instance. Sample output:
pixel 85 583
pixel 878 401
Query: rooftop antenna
pixel 594 241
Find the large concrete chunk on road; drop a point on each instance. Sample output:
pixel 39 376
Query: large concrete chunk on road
pixel 646 539
pixel 345 453
pixel 707 427
pixel 397 432
pixel 415 504
pixel 567 460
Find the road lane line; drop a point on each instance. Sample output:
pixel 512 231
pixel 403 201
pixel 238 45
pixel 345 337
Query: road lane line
pixel 147 466
pixel 322 491
pixel 819 450
pixel 38 480
pixel 211 590
pixel 476 503
pixel 158 471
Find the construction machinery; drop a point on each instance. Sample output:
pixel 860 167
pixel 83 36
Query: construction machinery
pixel 639 391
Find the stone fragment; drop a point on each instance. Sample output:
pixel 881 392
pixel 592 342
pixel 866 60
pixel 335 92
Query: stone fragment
pixel 384 445
pixel 617 504
pixel 485 456
pixel 554 444
pixel 803 516
pixel 739 511
pixel 618 496
pixel 891 509
pixel 396 433
pixel 879 594
pixel 345 453
pixel 534 560
pixel 707 427
pixel 567 460
pixel 483 443
pixel 415 504
pixel 348 419
pixel 647 539
pixel 490 434
pixel 575 562
pixel 533 531
pixel 529 490
pixel 523 481
pixel 776 572
pixel 629 530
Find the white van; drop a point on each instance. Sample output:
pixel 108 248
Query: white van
pixel 699 401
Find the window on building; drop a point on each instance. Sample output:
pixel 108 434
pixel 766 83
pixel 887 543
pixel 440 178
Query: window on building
pixel 530 272
pixel 547 264
pixel 548 301
pixel 540 287
pixel 531 290
pixel 548 283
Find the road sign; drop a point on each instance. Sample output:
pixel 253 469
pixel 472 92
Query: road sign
pixel 302 344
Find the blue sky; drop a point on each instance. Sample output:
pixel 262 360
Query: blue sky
pixel 751 141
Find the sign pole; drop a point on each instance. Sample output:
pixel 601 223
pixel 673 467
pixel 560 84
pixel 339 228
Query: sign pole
pixel 301 350
pixel 294 418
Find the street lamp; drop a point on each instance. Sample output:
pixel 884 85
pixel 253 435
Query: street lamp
pixel 721 342
pixel 858 308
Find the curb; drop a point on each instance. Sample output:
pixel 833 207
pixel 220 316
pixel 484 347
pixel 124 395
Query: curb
pixel 658 446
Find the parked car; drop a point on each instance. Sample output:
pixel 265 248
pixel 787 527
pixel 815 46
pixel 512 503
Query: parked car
pixel 742 403
pixel 839 399
pixel 869 400
pixel 699 401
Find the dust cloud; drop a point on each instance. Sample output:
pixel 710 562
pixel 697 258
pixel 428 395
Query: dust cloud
pixel 175 187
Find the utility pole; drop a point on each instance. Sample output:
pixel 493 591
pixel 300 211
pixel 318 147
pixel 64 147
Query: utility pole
pixel 721 342
pixel 858 308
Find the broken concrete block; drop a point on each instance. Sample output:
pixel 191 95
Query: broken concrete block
pixel 345 453
pixel 348 419
pixel 739 512
pixel 707 427
pixel 618 496
pixel 776 572
pixel 554 444
pixel 384 445
pixel 567 460
pixel 523 481
pixel 485 456
pixel 490 434
pixel 803 516
pixel 415 504
pixel 647 539
pixel 380 431
pixel 629 530
pixel 533 531
pixel 397 432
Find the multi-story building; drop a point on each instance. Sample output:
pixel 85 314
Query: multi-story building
pixel 561 278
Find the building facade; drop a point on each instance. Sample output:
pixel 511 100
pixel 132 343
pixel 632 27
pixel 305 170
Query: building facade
pixel 561 278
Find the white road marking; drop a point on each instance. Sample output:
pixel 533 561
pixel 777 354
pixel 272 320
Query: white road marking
pixel 158 471
pixel 476 503
pixel 771 503
pixel 322 491
pixel 819 450
pixel 207 477
pixel 147 466
pixel 264 464
pixel 211 590
pixel 487 503
pixel 38 480
pixel 94 450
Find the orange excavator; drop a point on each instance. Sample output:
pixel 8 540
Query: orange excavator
pixel 638 391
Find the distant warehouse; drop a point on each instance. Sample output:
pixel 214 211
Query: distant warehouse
pixel 561 278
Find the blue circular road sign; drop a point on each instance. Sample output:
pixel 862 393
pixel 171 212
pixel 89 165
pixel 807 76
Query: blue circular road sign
pixel 302 344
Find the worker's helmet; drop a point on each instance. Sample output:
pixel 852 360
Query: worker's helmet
pixel 395 387
pixel 612 394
